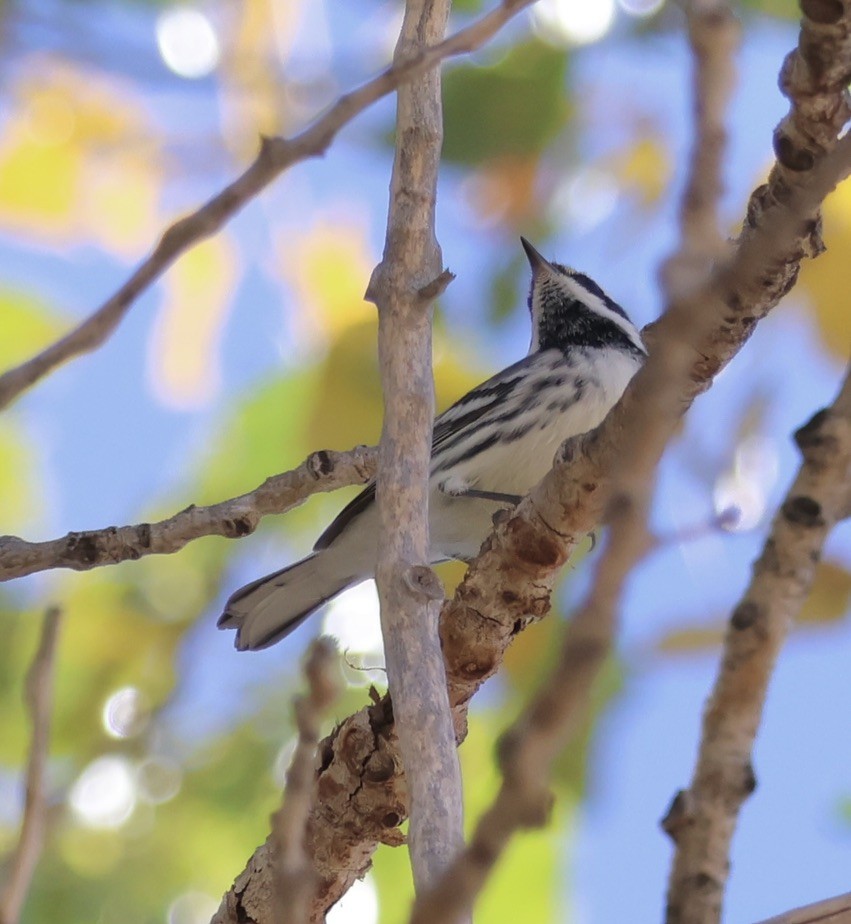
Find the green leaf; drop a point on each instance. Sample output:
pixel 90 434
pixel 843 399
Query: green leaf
pixel 512 108
pixel 21 497
pixel 28 326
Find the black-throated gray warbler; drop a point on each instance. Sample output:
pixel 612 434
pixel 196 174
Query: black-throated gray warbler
pixel 489 448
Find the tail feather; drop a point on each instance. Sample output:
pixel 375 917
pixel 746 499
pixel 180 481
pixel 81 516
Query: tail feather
pixel 264 611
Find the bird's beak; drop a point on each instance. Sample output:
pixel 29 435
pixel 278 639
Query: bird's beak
pixel 536 261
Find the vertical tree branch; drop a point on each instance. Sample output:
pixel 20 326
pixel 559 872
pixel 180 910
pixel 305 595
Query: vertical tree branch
pixel 39 697
pixel 295 877
pixel 702 819
pixel 402 287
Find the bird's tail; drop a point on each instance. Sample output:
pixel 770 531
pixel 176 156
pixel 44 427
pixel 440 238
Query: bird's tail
pixel 264 611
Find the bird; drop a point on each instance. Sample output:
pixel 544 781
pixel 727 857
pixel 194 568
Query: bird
pixel 488 450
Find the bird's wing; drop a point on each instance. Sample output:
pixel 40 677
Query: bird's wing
pixel 478 419
pixel 488 400
pixel 353 509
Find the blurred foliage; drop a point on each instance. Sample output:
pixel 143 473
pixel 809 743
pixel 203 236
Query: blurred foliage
pixel 78 157
pixel 829 601
pixel 29 325
pixel 827 279
pixel 509 109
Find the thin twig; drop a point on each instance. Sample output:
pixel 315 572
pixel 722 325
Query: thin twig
pixel 276 155
pixel 835 910
pixel 702 819
pixel 324 470
pixel 39 697
pixel 294 874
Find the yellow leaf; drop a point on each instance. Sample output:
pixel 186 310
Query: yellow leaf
pixel 533 653
pixel 827 279
pixel 28 326
pixel 123 198
pixel 348 406
pixel 329 268
pixel 184 349
pixel 38 184
pixel 644 168
pixel 697 639
pixel 830 596
pixel 253 98
pixel 21 500
pixel 71 163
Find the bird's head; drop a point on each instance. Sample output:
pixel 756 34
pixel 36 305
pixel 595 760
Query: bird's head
pixel 569 310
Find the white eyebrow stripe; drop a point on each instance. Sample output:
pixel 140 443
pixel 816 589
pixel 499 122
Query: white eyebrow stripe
pixel 598 306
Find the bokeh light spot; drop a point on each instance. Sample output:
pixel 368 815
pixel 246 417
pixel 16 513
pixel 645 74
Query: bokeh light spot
pixel 573 22
pixel 187 42
pixel 358 906
pixel 104 795
pixel 191 908
pixel 125 713
pixel 641 8
pixel 588 197
pixel 353 619
pixel 158 780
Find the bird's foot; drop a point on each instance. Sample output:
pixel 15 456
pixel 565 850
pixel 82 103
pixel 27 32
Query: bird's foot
pixel 462 491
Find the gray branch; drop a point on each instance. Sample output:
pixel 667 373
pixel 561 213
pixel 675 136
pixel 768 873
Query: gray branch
pixel 702 819
pixel 410 594
pixel 39 697
pixel 325 470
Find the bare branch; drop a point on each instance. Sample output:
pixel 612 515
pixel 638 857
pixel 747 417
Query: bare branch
pixel 714 34
pixel 828 911
pixel 702 819
pixel 324 470
pixel 39 697
pixel 401 287
pixel 283 864
pixel 529 749
pixel 276 155
pixel 294 874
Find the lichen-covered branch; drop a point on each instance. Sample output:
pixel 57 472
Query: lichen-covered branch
pixel 39 696
pixel 702 818
pixel 276 155
pixel 325 470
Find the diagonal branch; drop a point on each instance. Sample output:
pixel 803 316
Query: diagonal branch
pixel 836 910
pixel 324 470
pixel 39 696
pixel 528 750
pixel 276 155
pixel 702 819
